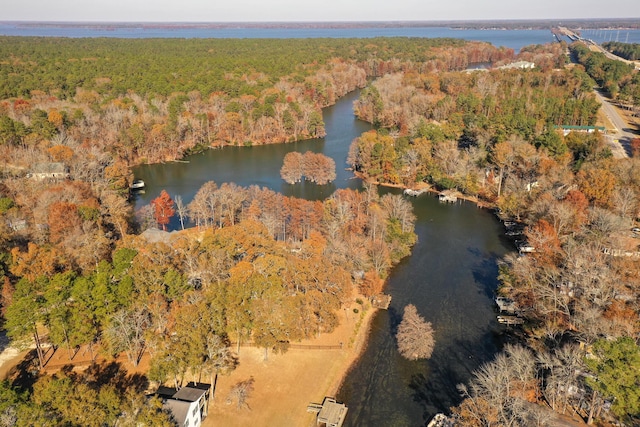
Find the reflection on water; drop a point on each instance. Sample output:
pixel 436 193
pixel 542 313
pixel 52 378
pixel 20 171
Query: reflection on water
pixel 259 165
pixel 450 276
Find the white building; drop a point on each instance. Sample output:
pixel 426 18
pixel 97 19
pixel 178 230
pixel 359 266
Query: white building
pixel 188 405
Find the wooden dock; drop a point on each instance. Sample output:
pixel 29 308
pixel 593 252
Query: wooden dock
pixel 510 320
pixel 506 305
pixel 448 196
pixel 330 413
pixel 381 301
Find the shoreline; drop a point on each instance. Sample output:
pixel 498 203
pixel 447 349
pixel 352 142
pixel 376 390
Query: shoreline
pixel 286 383
pixel 359 346
pixel 427 188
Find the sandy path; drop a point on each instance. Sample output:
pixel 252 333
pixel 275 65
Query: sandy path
pixel 285 384
pixel 9 356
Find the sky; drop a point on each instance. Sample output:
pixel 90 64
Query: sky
pixel 310 11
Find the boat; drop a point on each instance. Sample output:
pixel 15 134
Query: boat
pixel 138 184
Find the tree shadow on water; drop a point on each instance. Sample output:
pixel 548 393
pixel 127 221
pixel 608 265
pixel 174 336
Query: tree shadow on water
pixel 437 391
pixel 485 274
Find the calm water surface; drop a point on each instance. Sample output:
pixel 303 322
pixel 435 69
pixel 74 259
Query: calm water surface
pixel 260 165
pixel 450 276
pixel 514 39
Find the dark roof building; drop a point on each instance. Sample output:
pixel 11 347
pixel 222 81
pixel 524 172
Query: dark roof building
pixel 188 405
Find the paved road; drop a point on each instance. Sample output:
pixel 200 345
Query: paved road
pixel 620 139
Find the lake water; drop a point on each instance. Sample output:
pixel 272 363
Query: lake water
pixel 450 275
pixel 513 39
pixel 259 165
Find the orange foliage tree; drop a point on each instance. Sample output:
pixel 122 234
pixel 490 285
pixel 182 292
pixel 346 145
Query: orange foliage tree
pixel 543 237
pixel 635 147
pixel 597 184
pixel 163 209
pixel 63 219
pixel 61 153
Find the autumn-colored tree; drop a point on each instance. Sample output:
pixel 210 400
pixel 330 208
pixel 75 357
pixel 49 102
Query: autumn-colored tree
pixel 544 239
pixel 63 219
pixel 635 147
pixel 415 335
pixel 314 167
pixel 371 284
pixel 578 201
pixel 163 209
pixel 597 184
pixel 292 168
pixel 61 153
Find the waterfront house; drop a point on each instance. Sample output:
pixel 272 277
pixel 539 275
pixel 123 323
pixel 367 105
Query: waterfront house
pixel 523 65
pixel 49 170
pixel 188 405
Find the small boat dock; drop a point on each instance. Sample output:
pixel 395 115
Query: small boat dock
pixel 381 301
pixel 448 196
pixel 330 413
pixel 510 320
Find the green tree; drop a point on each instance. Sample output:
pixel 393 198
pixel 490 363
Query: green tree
pixel 26 312
pixel 616 375
pixel 11 132
pixel 552 142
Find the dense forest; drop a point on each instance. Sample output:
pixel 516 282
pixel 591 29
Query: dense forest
pixel 630 51
pixel 620 80
pixel 153 100
pixel 258 266
pixel 272 270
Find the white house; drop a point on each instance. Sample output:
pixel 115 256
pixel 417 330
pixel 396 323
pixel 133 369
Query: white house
pixel 188 405
pixel 50 170
pixel 523 65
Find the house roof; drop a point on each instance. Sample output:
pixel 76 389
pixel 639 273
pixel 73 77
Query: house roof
pixel 49 167
pixel 189 394
pixel 178 408
pixel 578 127
pixel 166 392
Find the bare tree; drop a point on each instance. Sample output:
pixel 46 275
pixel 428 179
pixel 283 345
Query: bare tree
pixel 181 209
pixel 415 335
pixel 240 393
pixel 126 333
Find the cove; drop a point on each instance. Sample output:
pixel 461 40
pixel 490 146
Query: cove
pixel 450 276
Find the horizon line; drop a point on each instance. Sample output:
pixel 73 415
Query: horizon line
pixel 332 22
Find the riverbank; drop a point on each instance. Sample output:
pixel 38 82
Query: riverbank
pixel 286 383
pixel 426 188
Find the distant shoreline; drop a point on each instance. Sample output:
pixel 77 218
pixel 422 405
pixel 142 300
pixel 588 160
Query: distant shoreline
pixel 507 24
